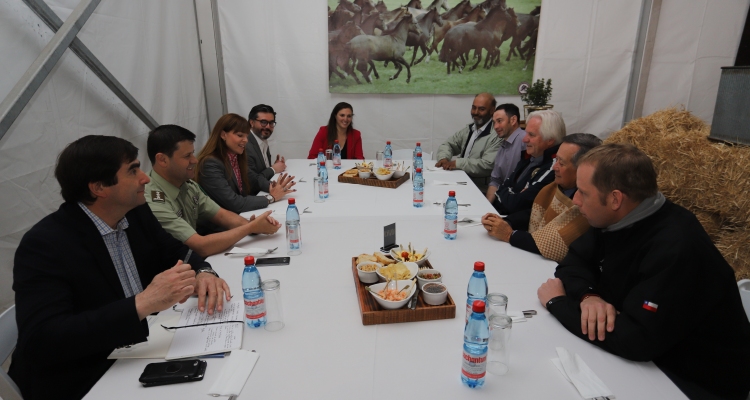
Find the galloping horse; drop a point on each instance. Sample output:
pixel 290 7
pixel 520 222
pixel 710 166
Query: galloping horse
pixel 338 57
pixel 528 23
pixel 457 12
pixel 476 14
pixel 364 49
pixel 339 18
pixel 473 36
pixel 419 41
pixel 372 21
pixel 381 7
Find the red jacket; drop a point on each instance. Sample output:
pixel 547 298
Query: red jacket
pixel 353 144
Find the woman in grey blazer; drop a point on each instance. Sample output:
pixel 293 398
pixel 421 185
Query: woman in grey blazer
pixel 222 169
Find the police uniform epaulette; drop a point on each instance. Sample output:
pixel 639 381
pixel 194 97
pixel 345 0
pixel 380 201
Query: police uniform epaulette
pixel 158 196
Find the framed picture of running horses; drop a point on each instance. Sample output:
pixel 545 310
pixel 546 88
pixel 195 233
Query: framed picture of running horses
pixel 431 46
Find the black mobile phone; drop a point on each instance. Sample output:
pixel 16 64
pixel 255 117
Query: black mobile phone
pixel 263 262
pixel 167 373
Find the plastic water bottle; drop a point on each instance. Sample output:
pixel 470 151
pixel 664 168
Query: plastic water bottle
pixel 321 158
pixel 336 155
pixel 255 303
pixel 418 188
pixel 417 150
pixel 418 161
pixel 293 229
pixel 388 155
pixel 477 289
pixel 476 338
pixel 451 216
pixel 323 175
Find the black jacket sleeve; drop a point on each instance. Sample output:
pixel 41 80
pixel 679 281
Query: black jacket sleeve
pixel 214 182
pixel 524 241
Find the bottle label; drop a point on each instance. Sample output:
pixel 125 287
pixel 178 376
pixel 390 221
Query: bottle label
pixel 418 196
pixel 337 160
pixel 255 309
pixel 474 366
pixel 451 226
pixel 325 188
pixel 321 190
pixel 388 162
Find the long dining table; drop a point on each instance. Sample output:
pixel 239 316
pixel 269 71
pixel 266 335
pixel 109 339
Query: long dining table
pixel 324 350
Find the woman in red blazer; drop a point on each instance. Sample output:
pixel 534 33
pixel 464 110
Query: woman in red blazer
pixel 339 127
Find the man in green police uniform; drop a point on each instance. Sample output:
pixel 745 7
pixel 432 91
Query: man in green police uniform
pixel 179 203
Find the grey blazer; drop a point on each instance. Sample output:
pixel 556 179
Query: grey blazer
pixel 256 167
pixel 225 192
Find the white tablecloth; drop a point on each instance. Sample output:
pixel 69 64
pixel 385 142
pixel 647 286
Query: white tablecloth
pixel 324 351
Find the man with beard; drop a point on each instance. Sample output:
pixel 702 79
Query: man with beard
pixel 475 146
pixel 262 122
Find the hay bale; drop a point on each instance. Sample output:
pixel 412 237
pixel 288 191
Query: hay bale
pixel 710 179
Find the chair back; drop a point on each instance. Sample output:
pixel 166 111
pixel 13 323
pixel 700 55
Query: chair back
pixel 8 339
pixel 744 286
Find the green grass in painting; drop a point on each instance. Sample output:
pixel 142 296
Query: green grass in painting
pixel 431 77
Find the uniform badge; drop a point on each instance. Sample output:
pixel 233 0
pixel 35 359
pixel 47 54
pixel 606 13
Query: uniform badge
pixel 157 196
pixel 534 172
pixel 179 213
pixel 647 305
pixel 195 199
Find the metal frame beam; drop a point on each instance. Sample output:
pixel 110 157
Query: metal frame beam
pixel 212 60
pixel 644 50
pixel 54 22
pixel 33 78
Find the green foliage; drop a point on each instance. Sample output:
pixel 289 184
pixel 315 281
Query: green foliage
pixel 538 93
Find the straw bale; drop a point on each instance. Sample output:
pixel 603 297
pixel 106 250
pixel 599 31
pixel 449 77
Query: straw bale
pixel 710 179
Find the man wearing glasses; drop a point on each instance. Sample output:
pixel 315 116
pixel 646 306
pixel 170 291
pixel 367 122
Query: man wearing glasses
pixel 262 121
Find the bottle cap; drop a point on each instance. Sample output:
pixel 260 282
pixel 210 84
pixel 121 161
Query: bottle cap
pixel 336 141
pixel 478 266
pixel 419 169
pixel 452 193
pixel 419 144
pixel 322 163
pixel 478 306
pixel 291 201
pixel 320 150
pixel 249 260
pixel 388 142
pixel 419 154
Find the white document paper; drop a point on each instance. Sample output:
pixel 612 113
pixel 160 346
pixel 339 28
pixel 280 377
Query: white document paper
pixel 158 341
pixel 208 339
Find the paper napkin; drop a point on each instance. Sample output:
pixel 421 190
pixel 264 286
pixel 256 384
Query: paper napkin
pixel 516 316
pixel 437 182
pixel 580 375
pixel 250 251
pixel 234 374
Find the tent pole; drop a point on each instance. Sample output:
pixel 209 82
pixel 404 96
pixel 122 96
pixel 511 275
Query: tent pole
pixel 644 49
pixel 212 60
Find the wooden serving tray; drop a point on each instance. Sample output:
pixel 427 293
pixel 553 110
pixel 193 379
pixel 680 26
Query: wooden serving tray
pixel 373 181
pixel 373 314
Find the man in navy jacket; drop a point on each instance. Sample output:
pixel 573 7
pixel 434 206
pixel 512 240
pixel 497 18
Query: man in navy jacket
pixel 87 276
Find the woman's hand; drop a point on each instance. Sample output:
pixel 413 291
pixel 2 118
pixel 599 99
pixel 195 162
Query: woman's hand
pixel 279 188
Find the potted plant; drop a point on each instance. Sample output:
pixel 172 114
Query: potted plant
pixel 537 96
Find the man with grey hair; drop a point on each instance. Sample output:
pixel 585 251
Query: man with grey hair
pixel 473 148
pixel 553 222
pixel 545 131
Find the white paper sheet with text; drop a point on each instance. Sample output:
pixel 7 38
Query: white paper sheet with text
pixel 209 339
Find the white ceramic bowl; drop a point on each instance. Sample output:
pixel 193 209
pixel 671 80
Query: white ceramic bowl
pixel 434 299
pixel 413 268
pixel 384 177
pixel 423 281
pixel 368 276
pixel 397 174
pixel 395 251
pixel 392 305
pixel 364 175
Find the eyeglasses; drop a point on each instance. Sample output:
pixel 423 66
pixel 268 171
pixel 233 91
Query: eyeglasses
pixel 265 123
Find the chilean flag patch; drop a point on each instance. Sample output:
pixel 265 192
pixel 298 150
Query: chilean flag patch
pixel 650 306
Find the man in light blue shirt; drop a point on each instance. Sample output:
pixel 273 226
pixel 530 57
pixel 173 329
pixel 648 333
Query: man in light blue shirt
pixel 506 126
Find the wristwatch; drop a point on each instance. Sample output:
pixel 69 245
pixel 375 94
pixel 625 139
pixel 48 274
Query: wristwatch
pixel 270 199
pixel 207 270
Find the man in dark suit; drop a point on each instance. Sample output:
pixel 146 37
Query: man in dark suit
pixel 87 276
pixel 260 167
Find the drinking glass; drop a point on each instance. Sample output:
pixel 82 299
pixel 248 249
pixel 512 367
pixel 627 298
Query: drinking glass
pixel 316 191
pixel 498 354
pixel 379 159
pixel 274 312
pixel 497 304
pixel 329 158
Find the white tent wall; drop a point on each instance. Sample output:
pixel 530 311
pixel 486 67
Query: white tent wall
pixel 694 40
pixel 151 47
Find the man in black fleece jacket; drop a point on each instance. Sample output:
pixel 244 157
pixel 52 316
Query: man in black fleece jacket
pixel 646 282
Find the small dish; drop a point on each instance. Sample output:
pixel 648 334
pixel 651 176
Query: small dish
pixel 420 262
pixel 392 305
pixel 384 177
pixel 412 267
pixel 432 296
pixel 364 173
pixel 368 276
pixel 423 281
pixel 397 174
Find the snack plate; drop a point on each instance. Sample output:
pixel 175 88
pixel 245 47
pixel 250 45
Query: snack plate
pixel 373 314
pixel 373 181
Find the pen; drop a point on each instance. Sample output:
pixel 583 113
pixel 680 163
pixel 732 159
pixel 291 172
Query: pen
pixel 187 256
